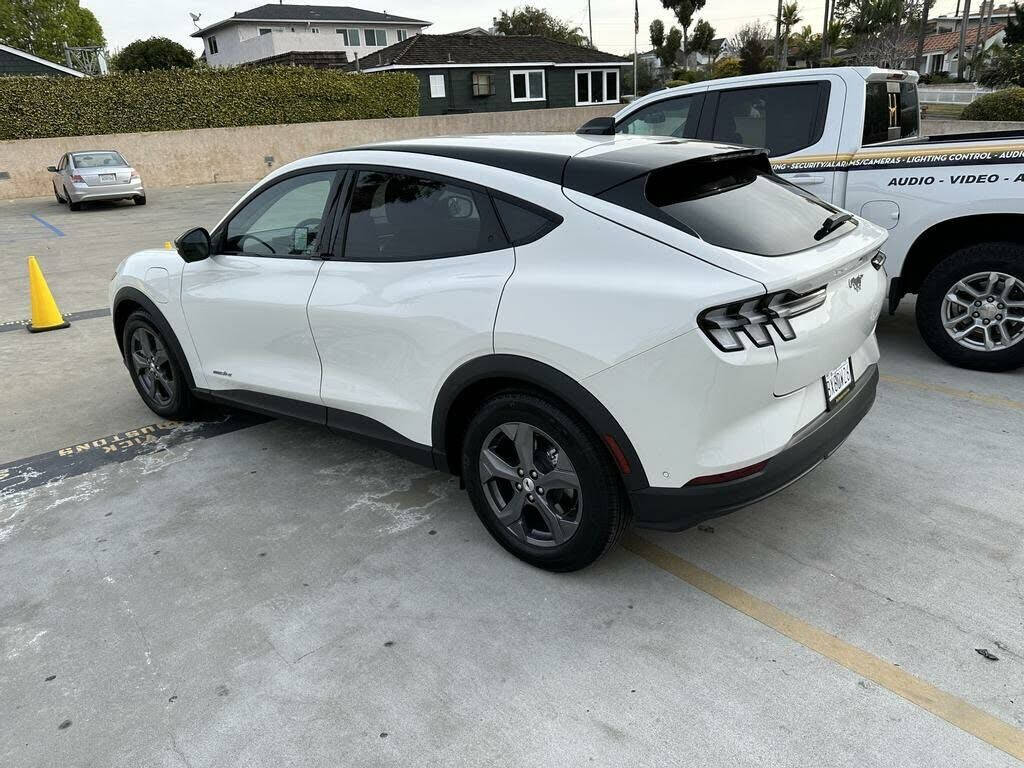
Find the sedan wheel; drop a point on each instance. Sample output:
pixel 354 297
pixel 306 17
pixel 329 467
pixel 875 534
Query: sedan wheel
pixel 152 367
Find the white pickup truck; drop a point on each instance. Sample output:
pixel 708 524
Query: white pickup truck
pixel 953 204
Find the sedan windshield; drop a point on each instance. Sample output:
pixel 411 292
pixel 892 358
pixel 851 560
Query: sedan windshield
pixel 97 159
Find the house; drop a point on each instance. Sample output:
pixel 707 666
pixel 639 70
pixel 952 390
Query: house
pixel 488 73
pixel 15 62
pixel 274 29
pixel 951 22
pixel 940 51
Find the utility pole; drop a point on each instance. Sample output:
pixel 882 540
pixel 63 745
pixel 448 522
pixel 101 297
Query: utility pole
pixel 590 24
pixel 963 40
pixel 824 34
pixel 778 33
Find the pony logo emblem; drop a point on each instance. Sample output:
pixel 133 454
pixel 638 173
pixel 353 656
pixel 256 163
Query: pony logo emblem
pixel 855 282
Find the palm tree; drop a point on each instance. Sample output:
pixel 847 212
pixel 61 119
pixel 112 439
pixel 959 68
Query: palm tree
pixel 788 18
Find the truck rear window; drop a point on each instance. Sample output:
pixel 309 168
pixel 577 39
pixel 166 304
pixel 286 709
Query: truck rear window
pixel 890 111
pixel 733 203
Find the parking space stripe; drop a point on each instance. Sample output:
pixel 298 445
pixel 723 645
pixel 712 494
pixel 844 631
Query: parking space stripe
pixel 47 224
pixel 73 460
pixel 950 708
pixel 86 314
pixel 994 400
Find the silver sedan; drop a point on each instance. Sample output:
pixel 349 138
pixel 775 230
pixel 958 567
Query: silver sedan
pixel 82 177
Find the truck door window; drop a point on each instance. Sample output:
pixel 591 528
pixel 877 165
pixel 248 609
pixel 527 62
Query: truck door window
pixel 671 117
pixel 780 118
pixel 890 112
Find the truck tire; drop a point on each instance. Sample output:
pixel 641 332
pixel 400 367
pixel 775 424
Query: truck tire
pixel 970 309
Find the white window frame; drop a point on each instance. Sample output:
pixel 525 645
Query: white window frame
pixel 526 75
pixel 375 31
pixel 590 86
pixel 436 86
pixel 264 31
pixel 211 45
pixel 402 34
pixel 347 36
pixel 314 30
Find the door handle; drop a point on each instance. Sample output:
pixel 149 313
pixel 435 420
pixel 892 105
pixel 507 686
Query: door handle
pixel 804 178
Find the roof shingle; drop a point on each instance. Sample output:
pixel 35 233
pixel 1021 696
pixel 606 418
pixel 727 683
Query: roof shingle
pixel 312 13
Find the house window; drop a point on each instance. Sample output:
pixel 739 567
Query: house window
pixel 483 84
pixel 350 37
pixel 437 86
pixel 597 86
pixel 264 31
pixel 402 34
pixel 528 85
pixel 315 30
pixel 211 44
pixel 375 37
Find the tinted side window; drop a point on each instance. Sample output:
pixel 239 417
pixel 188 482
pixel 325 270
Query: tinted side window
pixel 890 112
pixel 524 225
pixel 780 118
pixel 398 217
pixel 671 117
pixel 283 220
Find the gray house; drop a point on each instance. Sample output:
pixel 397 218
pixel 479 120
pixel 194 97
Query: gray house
pixel 492 73
pixel 15 62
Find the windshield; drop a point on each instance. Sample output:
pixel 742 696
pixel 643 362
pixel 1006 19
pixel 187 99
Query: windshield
pixel 97 159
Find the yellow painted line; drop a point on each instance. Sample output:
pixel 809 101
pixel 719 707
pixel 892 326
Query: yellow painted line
pixel 950 708
pixel 994 400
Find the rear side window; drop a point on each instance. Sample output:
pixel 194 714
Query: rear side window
pixel 890 112
pixel 672 117
pixel 734 203
pixel 398 217
pixel 524 225
pixel 780 118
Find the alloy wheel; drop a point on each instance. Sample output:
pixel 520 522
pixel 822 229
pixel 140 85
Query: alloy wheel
pixel 531 485
pixel 152 366
pixel 985 311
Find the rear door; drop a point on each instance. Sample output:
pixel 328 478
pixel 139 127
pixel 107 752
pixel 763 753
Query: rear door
pixel 411 293
pixel 789 120
pixel 246 304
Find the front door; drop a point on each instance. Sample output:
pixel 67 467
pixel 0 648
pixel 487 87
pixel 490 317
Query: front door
pixel 246 304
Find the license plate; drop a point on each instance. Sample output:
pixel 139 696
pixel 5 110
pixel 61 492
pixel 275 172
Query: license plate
pixel 838 382
pixel 108 177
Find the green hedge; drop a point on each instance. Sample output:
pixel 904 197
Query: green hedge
pixel 1007 104
pixel 180 99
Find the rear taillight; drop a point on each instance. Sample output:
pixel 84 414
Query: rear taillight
pixel 135 175
pixel 729 324
pixel 77 178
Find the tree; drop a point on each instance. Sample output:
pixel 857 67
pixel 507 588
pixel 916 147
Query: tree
pixel 530 20
pixel 788 18
pixel 751 40
pixel 41 27
pixel 684 10
pixel 154 53
pixel 919 51
pixel 666 47
pixel 882 33
pixel 703 40
pixel 1014 34
pixel 806 45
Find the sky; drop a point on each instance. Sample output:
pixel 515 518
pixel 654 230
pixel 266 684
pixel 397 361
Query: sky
pixel 126 20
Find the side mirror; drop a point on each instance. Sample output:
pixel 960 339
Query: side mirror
pixel 194 245
pixel 51 168
pixel 599 126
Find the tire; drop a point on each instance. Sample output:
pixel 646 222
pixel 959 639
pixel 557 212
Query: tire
pixel 965 276
pixel 591 516
pixel 73 205
pixel 56 194
pixel 162 386
pixel 139 200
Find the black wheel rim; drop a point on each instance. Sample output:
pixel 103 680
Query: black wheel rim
pixel 531 485
pixel 151 366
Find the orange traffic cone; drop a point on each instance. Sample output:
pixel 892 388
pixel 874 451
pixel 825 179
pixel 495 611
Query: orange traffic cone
pixel 45 315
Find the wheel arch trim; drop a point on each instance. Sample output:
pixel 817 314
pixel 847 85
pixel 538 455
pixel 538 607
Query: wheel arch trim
pixel 514 368
pixel 135 296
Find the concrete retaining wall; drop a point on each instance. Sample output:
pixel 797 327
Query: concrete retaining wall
pixel 937 127
pixel 176 158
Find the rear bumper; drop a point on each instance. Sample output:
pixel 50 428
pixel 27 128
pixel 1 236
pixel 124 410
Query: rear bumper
pixel 81 193
pixel 675 509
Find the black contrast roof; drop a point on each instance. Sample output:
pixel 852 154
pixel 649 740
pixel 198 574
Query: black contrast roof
pixel 442 50
pixel 590 164
pixel 312 13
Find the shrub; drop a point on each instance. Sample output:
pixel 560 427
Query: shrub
pixel 182 99
pixel 1006 67
pixel 154 53
pixel 675 83
pixel 726 68
pixel 1007 104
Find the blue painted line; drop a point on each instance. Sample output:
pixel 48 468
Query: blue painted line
pixel 47 224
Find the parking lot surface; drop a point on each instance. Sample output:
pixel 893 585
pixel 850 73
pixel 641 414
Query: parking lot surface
pixel 257 592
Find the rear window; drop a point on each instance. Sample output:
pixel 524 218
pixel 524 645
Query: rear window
pixel 735 203
pixel 97 159
pixel 890 112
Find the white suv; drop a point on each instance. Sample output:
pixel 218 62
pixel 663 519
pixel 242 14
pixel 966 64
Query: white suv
pixel 589 330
